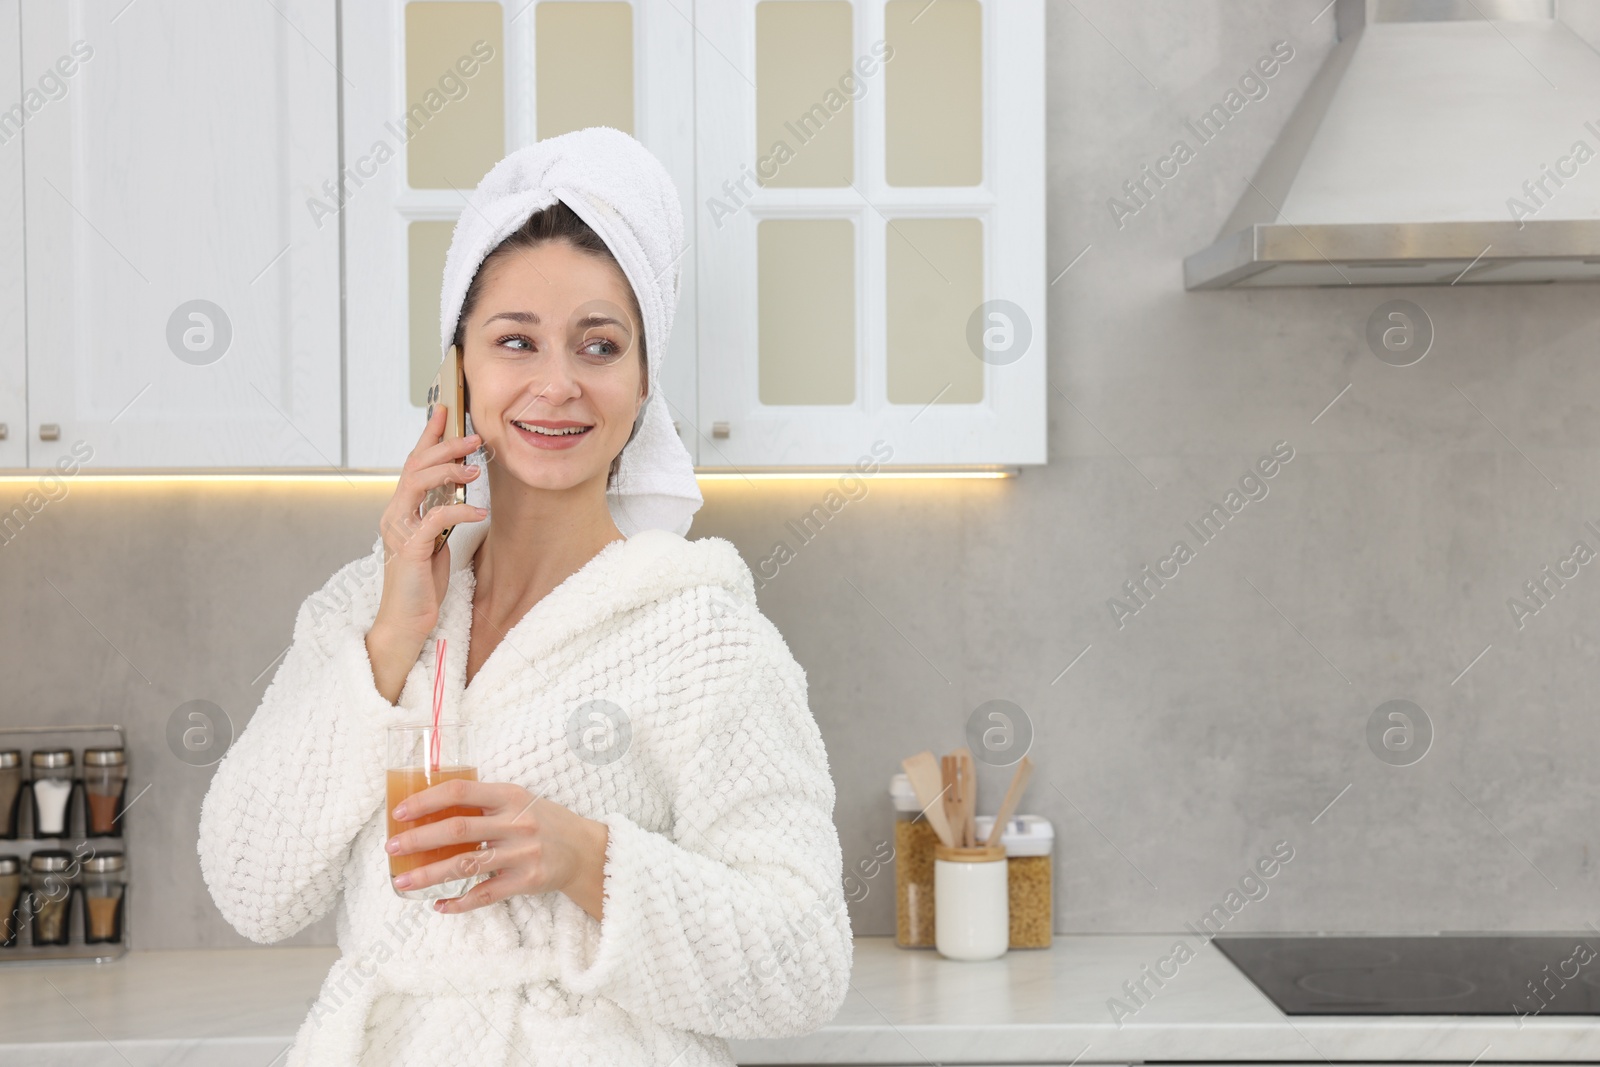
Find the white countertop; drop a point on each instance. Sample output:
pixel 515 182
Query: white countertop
pixel 231 1006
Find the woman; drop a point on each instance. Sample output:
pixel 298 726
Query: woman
pixel 663 868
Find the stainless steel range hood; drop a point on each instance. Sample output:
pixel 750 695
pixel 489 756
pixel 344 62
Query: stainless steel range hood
pixel 1443 142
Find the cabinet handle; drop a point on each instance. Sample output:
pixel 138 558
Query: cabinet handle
pixel 719 429
pixel 49 431
pixel 5 431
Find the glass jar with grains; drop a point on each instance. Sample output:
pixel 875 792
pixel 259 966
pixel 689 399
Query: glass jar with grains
pixel 914 840
pixel 1029 841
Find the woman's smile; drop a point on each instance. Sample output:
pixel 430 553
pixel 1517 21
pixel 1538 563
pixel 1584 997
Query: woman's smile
pixel 552 435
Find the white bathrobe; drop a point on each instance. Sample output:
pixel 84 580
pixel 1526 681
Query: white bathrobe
pixel 724 914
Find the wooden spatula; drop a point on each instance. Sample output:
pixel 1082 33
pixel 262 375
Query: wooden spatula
pixel 969 796
pixel 923 771
pixel 1008 806
pixel 950 779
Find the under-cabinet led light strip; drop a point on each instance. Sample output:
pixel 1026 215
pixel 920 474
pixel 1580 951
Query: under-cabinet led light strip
pixel 367 477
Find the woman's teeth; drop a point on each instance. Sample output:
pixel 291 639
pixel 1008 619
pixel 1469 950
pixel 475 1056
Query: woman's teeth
pixel 568 431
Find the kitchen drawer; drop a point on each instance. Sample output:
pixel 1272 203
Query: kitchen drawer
pixel 221 1052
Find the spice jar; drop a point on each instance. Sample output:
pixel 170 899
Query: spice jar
pixel 105 782
pixel 10 897
pixel 10 791
pixel 913 867
pixel 52 791
pixel 1028 841
pixel 972 922
pixel 103 896
pixel 50 885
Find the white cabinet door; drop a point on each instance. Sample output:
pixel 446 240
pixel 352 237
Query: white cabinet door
pixel 13 339
pixel 871 234
pixel 183 308
pixel 441 90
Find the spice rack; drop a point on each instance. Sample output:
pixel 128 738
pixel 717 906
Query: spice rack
pixel 74 840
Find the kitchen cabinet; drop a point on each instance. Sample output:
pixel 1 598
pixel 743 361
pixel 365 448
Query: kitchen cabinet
pixel 441 90
pixel 182 307
pixel 13 342
pixel 883 281
pixel 871 183
pixel 876 286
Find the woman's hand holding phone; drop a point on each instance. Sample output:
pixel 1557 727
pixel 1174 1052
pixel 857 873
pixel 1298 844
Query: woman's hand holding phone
pixel 415 577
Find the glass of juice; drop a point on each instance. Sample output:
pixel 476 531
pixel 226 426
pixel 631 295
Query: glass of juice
pixel 410 770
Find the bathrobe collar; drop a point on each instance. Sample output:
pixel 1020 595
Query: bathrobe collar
pixel 625 575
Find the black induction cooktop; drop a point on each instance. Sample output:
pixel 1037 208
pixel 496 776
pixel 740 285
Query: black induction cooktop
pixel 1444 974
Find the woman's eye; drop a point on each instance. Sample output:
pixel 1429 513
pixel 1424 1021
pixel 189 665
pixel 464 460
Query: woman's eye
pixel 599 346
pixel 515 337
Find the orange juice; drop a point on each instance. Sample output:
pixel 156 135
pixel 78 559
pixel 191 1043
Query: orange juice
pixel 403 782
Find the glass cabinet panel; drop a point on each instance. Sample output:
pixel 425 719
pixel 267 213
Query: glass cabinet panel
pixel 933 122
pixel 935 284
pixel 583 66
pixel 427 242
pixel 807 299
pixel 805 125
pixel 455 121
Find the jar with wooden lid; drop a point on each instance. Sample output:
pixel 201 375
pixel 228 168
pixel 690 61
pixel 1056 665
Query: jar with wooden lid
pixel 970 884
pixel 105 783
pixel 104 888
pixel 1029 843
pixel 913 867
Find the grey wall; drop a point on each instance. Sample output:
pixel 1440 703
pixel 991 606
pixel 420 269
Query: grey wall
pixel 1224 717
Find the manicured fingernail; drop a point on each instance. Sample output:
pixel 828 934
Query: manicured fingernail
pixel 438 905
pixel 393 845
pixel 400 812
pixel 402 881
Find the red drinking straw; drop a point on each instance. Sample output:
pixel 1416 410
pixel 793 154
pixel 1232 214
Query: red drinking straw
pixel 438 704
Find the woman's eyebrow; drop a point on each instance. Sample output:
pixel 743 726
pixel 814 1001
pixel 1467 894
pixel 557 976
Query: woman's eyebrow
pixel 594 318
pixel 525 317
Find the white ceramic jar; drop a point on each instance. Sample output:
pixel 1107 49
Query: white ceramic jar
pixel 971 909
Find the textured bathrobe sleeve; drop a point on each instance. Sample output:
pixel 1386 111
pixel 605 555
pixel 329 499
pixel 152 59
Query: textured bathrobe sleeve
pixel 735 925
pixel 306 773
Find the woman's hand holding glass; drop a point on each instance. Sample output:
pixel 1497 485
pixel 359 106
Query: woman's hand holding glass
pixel 532 845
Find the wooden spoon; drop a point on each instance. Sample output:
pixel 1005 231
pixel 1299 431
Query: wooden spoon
pixel 925 780
pixel 1019 781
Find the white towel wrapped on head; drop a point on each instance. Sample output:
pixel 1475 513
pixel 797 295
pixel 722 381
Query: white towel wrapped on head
pixel 613 183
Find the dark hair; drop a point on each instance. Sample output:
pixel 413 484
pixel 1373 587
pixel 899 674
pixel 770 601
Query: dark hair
pixel 558 222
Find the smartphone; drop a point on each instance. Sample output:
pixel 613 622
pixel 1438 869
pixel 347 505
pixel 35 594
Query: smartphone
pixel 450 388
